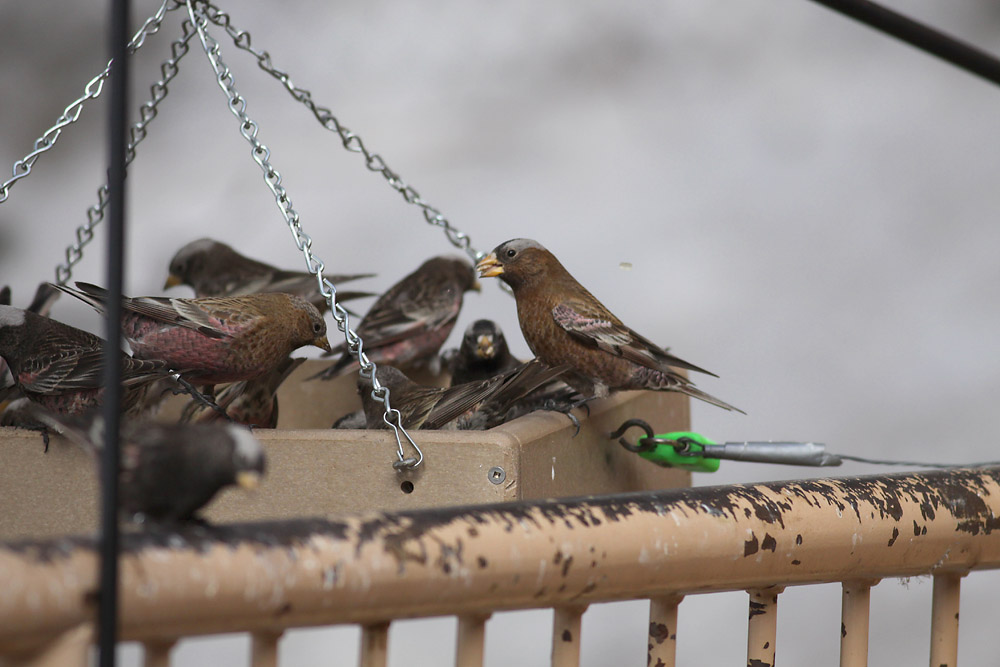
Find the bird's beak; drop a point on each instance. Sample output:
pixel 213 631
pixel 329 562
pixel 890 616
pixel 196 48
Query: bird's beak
pixel 173 280
pixel 248 479
pixel 489 267
pixel 484 347
pixel 322 343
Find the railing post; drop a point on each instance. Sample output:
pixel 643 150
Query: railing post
pixel 156 653
pixel 566 636
pixel 375 645
pixel 264 649
pixel 662 644
pixel 854 623
pixel 944 619
pixel 471 641
pixel 762 628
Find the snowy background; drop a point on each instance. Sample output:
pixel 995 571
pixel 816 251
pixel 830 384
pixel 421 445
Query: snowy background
pixel 808 209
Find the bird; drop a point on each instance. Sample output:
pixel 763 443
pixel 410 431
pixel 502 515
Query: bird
pixel 409 323
pixel 482 354
pixel 215 339
pixel 434 407
pixel 61 367
pixel 213 268
pixel 529 386
pixel 45 296
pixel 249 402
pixel 167 472
pixel 563 323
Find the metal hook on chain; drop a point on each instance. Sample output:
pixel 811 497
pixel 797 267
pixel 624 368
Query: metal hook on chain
pixel 630 423
pixel 392 417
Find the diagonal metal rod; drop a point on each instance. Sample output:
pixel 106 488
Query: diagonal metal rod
pixel 117 137
pixel 923 37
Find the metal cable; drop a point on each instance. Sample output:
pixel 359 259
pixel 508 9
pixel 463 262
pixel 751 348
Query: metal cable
pixel 351 141
pixel 71 113
pixel 147 112
pixel 272 178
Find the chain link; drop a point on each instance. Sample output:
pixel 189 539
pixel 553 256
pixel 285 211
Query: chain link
pixel 351 141
pixel 272 178
pixel 147 112
pixel 71 114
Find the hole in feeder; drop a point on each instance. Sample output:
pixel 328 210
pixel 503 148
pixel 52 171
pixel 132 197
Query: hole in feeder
pixel 406 487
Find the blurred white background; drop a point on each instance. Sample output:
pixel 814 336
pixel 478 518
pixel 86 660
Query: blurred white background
pixel 808 208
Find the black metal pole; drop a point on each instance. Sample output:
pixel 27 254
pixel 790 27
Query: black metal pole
pixel 107 621
pixel 925 38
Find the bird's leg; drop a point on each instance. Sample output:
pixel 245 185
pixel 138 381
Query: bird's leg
pixel 42 429
pixel 552 406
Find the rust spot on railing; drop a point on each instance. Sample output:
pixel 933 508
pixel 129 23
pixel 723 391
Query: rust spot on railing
pixel 658 632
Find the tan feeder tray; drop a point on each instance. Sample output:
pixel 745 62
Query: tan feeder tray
pixel 314 470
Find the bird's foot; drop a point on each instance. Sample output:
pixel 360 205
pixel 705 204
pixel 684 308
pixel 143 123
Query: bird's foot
pixel 552 405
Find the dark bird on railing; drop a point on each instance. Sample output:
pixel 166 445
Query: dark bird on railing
pixel 60 367
pixel 482 354
pixel 170 471
pixel 479 404
pixel 563 323
pixel 215 340
pixel 250 402
pixel 212 268
pixel 410 322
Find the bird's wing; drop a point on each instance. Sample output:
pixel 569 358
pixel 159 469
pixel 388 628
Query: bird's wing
pixel 458 400
pixel 187 313
pixel 69 359
pixel 524 379
pixel 69 369
pixel 394 322
pixel 598 328
pixel 182 312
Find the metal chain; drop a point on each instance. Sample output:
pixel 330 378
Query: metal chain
pixel 351 141
pixel 147 112
pixel 71 114
pixel 272 178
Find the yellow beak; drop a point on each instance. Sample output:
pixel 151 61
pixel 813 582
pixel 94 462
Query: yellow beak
pixel 248 479
pixel 484 347
pixel 489 267
pixel 173 281
pixel 322 343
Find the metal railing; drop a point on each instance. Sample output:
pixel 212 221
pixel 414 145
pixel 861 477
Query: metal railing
pixel 371 569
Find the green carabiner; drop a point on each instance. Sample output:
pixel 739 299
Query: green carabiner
pixel 680 449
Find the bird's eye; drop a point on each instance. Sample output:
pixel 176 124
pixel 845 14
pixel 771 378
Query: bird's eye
pixel 511 252
pixel 317 327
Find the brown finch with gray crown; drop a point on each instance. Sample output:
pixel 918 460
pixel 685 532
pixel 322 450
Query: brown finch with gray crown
pixel 563 323
pixel 215 340
pixel 212 268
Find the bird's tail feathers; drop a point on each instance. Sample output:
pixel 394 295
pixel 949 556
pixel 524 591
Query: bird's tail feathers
pixel 694 392
pixel 92 295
